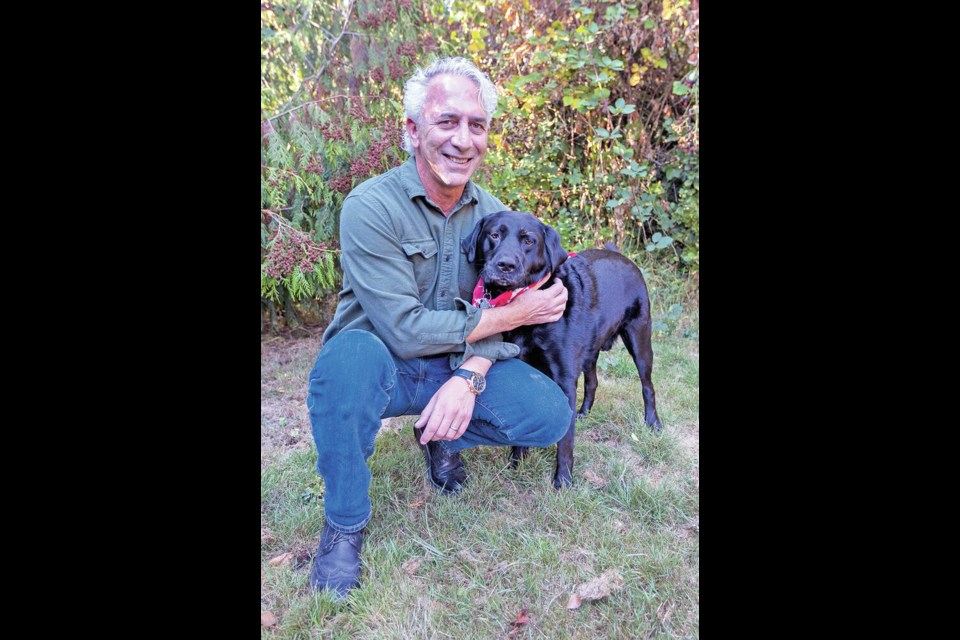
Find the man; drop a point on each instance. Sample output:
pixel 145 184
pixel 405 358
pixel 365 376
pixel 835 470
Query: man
pixel 405 339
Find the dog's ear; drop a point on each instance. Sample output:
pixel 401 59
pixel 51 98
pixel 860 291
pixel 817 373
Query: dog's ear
pixel 469 244
pixel 556 256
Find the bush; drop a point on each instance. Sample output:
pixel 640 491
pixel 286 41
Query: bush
pixel 597 130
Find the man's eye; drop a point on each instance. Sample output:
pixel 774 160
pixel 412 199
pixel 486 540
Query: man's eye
pixel 446 124
pixel 477 127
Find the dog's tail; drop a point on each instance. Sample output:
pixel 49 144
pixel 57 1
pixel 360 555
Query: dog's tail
pixel 611 247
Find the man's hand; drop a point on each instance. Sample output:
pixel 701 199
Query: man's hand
pixel 533 307
pixel 448 413
pixel 542 306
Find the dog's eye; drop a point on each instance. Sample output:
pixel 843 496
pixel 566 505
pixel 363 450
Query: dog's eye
pixel 528 241
pixel 494 236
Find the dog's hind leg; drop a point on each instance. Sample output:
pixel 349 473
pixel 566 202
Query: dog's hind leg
pixel 636 337
pixel 589 385
pixel 563 476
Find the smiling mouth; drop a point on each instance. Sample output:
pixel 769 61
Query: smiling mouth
pixel 455 160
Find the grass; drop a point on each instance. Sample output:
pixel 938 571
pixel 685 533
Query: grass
pixel 463 567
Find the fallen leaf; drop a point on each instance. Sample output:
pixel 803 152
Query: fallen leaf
pixel 411 566
pixel 517 624
pixel 267 619
pixel 416 504
pixel 574 602
pixel 469 557
pixel 601 587
pixel 283 558
pixel 594 478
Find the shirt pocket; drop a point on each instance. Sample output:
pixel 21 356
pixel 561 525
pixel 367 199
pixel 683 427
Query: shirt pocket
pixel 421 254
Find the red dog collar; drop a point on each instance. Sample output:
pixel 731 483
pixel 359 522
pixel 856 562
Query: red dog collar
pixel 507 297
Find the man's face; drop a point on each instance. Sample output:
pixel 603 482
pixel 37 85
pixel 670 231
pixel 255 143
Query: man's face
pixel 452 137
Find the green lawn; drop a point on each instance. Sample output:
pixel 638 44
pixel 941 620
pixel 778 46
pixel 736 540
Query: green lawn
pixel 464 567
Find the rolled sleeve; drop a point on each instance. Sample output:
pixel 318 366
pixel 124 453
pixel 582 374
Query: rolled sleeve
pixel 492 348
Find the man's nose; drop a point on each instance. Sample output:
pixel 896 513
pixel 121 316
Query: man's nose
pixel 461 137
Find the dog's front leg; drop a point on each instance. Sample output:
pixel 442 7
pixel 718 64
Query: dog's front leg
pixel 517 454
pixel 563 477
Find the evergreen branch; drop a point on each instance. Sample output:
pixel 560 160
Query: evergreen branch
pixel 331 48
pixel 285 225
pixel 301 106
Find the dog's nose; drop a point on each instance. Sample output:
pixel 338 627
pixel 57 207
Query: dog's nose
pixel 506 267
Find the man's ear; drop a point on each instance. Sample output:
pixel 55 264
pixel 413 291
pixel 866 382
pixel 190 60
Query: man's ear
pixel 469 244
pixel 413 132
pixel 556 256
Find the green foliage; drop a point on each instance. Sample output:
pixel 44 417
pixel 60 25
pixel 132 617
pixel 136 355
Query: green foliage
pixel 331 117
pixel 667 321
pixel 593 133
pixel 597 131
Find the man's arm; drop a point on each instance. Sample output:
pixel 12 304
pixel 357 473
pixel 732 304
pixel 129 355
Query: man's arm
pixel 533 307
pixel 449 411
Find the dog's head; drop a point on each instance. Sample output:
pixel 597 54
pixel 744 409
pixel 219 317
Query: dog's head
pixel 512 249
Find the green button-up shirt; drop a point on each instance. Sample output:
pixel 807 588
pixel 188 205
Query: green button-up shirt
pixel 405 277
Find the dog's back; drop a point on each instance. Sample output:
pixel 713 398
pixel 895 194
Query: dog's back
pixel 605 292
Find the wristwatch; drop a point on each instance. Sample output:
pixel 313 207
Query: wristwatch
pixel 474 379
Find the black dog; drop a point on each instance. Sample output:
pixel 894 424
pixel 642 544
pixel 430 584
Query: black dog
pixel 607 297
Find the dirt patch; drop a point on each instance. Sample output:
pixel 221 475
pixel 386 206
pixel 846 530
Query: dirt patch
pixel 285 363
pixel 689 436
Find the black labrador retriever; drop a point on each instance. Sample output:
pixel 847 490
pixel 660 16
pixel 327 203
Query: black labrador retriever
pixel 607 297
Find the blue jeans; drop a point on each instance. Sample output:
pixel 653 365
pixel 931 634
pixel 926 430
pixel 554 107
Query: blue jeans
pixel 356 381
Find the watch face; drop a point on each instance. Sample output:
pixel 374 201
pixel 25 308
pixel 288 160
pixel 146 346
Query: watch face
pixel 479 383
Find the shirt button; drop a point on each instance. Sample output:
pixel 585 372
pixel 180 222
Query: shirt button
pixel 446 258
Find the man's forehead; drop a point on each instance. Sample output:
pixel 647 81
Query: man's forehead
pixel 454 95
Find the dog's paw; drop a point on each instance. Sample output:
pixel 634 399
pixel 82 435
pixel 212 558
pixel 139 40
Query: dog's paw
pixel 561 479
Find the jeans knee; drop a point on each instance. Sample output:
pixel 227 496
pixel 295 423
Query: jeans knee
pixel 351 352
pixel 560 423
pixel 554 417
pixel 352 364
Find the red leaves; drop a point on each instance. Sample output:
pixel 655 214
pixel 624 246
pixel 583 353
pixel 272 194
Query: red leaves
pixel 519 623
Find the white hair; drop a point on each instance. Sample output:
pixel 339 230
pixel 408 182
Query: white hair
pixel 415 91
